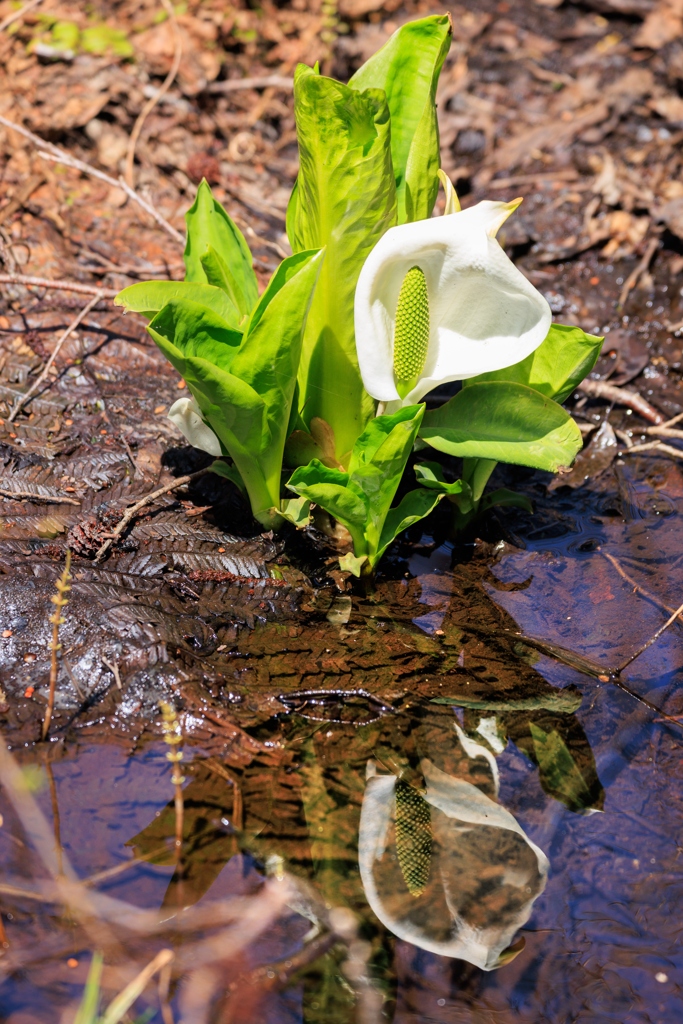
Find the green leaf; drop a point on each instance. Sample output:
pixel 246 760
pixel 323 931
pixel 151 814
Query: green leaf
pixel 329 488
pixel 556 367
pixel 504 497
pixel 564 702
pixel 268 358
pixel 407 68
pixel 210 227
pixel 430 475
pixel 345 199
pixel 415 505
pixel 349 563
pixel 148 297
pixel 196 331
pixel 378 459
pixel 228 472
pixel 296 511
pixel 504 422
pixel 87 1011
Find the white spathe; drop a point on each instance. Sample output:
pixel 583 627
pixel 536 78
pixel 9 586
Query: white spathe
pixel 484 314
pixel 187 416
pixel 485 872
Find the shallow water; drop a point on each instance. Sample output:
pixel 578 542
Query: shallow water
pixel 537 769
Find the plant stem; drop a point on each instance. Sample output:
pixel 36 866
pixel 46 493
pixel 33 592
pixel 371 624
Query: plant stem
pixel 59 600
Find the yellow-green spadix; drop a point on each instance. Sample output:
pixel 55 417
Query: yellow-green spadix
pixel 438 300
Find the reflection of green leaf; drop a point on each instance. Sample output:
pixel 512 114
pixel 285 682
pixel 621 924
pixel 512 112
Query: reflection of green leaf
pixel 560 748
pixel 559 772
pixel 207 847
pixel 561 701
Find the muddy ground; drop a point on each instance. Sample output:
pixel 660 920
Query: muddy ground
pixel 576 107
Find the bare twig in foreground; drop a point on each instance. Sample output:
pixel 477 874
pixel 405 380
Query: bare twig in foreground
pixel 51 152
pixel 264 82
pixel 130 513
pixel 635 275
pixel 64 286
pixel 151 103
pixel 26 398
pixel 600 389
pixel 16 15
pixel 50 499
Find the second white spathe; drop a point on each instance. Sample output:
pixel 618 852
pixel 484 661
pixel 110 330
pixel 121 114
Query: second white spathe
pixel 187 417
pixel 484 314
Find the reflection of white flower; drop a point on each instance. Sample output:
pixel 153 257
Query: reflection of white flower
pixel 186 415
pixel 438 300
pixel 480 874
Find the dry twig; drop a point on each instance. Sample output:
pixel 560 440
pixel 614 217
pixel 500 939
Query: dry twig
pixel 152 102
pixel 26 398
pixel 264 82
pixel 65 286
pixel 49 499
pixel 130 513
pixel 631 399
pixel 16 15
pixel 635 275
pixel 52 152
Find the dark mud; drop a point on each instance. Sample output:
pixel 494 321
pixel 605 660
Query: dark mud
pixel 536 820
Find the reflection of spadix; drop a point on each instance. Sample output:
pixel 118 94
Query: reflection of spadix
pixel 459 884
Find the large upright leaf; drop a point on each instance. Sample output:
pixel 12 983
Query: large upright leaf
pixel 148 297
pixel 504 422
pixel 210 227
pixel 268 358
pixel 345 200
pixel 556 367
pixel 407 68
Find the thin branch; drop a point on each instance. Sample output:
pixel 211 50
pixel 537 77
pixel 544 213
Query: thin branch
pixel 16 15
pixel 652 639
pixel 600 389
pixel 51 152
pixel 635 275
pixel 638 588
pixel 25 399
pixel 151 103
pixel 65 286
pixel 48 499
pixel 130 513
pixel 80 165
pixel 264 82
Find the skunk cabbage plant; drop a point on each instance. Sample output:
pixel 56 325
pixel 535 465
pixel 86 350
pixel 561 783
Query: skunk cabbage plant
pixel 315 382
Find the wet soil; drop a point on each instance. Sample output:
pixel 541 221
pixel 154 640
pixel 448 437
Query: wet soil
pixel 302 693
